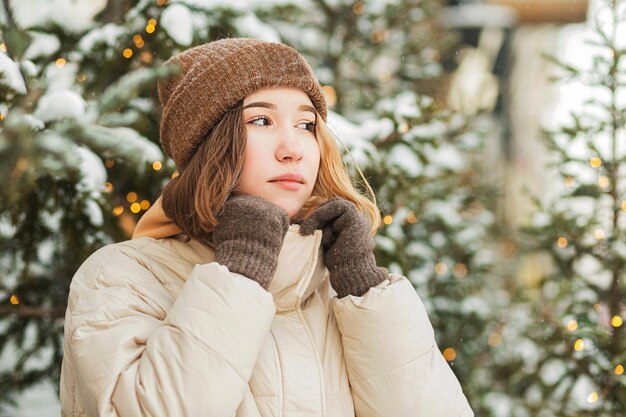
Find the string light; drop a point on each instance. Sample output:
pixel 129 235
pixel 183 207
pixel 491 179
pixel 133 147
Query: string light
pixel 595 162
pixel 572 325
pixel 175 174
pixel 151 26
pixel 108 187
pixel 561 242
pixel 1 116
pixel 157 165
pixel 135 208
pixel 14 300
pixel 624 205
pixel 127 53
pixel 449 354
pixel 131 197
pixel 593 397
pixel 358 8
pixel 145 204
pixel 599 234
pixel 3 47
pixel 60 62
pixel 616 321
pixel 441 268
pixel 579 345
pixel 146 57
pixel 410 217
pixel 459 270
pixel 138 41
pixel 603 182
pixel 494 339
pixel 619 370
pixel 118 210
pixel 569 181
pixel 81 78
pixel 388 219
pixel 161 2
pixel 379 35
pixel 109 163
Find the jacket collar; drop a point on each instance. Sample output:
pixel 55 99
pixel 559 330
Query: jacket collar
pixel 299 273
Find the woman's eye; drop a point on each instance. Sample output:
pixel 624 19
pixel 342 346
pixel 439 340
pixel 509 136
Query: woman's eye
pixel 259 119
pixel 310 126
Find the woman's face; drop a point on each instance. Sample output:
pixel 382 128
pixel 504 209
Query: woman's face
pixel 282 156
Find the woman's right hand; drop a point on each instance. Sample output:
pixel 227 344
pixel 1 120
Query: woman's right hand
pixel 249 235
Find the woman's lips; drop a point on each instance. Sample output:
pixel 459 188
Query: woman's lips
pixel 288 184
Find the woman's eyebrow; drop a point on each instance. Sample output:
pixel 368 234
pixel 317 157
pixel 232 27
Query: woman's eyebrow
pixel 303 107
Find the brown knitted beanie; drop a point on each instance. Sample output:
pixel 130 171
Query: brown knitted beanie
pixel 214 77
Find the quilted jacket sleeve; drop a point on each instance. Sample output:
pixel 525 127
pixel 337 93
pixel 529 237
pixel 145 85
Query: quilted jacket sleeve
pixel 394 365
pixel 132 358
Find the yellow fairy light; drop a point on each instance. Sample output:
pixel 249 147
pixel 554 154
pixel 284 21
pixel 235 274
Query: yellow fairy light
pixel 358 8
pixel 624 205
pixel 60 62
pixel 152 22
pixel 616 321
pixel 603 182
pixel 410 218
pixel 569 181
pixel 441 268
pixel 108 187
pixel 118 210
pixel 593 397
pixel 330 94
pixel 135 207
pixel 3 47
pixel 494 339
pixel 131 197
pixel 14 300
pixel 137 38
pixel 157 165
pixel 127 53
pixel 579 345
pixel 572 325
pixel 599 234
pixel 146 57
pixel 562 242
pixel 109 163
pixel 595 162
pixel 379 35
pixel 161 2
pixel 619 370
pixel 175 174
pixel 150 28
pixel 449 354
pixel 81 78
pixel 145 204
pixel 1 116
pixel 459 270
pixel 388 219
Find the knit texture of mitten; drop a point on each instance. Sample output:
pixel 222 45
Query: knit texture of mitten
pixel 249 235
pixel 348 246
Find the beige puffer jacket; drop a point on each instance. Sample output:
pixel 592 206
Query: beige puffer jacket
pixel 154 327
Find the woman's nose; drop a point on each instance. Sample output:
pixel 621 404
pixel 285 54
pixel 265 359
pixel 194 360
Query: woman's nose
pixel 289 146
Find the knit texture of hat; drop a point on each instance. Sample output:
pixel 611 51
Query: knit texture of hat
pixel 214 77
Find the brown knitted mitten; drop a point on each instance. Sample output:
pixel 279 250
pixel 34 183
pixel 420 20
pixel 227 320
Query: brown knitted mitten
pixel 249 235
pixel 348 246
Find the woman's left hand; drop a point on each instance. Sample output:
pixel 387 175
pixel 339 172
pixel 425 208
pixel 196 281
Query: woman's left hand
pixel 348 246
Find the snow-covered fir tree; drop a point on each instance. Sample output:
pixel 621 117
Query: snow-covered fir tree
pixel 80 160
pixel 564 342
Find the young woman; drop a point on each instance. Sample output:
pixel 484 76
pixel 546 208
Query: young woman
pixel 250 288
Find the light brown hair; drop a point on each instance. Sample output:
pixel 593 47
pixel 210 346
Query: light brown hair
pixel 194 198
